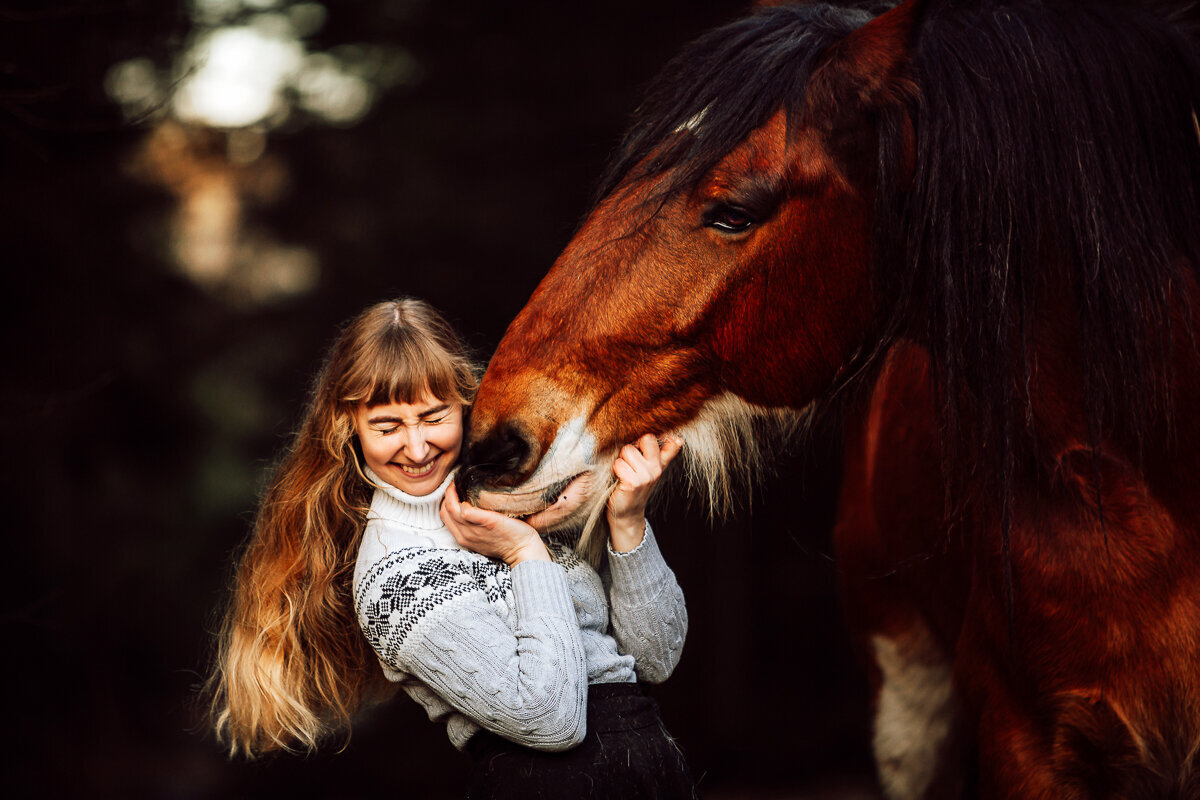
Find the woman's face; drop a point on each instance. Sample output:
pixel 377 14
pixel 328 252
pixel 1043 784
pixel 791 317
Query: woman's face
pixel 412 446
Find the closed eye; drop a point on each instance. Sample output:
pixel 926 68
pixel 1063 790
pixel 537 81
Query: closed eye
pixel 728 218
pixel 394 428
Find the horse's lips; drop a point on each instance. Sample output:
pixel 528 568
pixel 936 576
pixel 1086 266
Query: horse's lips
pixel 530 502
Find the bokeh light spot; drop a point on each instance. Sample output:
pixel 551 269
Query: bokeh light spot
pixel 134 84
pixel 306 18
pixel 327 89
pixel 240 73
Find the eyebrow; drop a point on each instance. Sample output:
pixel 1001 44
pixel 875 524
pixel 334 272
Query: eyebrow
pixel 422 415
pixel 755 188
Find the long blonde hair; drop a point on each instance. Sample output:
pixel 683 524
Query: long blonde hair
pixel 291 666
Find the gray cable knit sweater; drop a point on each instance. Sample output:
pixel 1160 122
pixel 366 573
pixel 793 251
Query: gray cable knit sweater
pixel 512 650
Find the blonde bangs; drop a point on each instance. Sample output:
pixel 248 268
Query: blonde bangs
pixel 413 354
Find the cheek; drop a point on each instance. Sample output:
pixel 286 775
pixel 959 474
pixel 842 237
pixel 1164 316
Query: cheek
pixel 373 450
pixel 808 296
pixel 449 439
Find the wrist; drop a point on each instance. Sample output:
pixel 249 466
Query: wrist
pixel 626 534
pixel 532 550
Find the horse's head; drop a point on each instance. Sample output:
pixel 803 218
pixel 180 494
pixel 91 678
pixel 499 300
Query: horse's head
pixel 724 276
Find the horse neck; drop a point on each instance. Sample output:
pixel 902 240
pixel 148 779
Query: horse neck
pixel 1166 451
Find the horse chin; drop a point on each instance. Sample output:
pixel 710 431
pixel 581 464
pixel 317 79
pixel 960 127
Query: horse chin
pixel 558 494
pixel 566 509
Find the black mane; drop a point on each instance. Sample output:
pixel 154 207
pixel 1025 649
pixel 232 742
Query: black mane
pixel 1046 131
pixel 737 76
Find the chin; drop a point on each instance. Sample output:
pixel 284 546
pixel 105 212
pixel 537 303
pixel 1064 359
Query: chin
pixel 417 487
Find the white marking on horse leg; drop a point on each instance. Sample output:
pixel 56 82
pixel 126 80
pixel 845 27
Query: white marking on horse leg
pixel 915 714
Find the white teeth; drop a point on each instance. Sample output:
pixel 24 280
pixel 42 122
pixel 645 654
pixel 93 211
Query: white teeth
pixel 417 471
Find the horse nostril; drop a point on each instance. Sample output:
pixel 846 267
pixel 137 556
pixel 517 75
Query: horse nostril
pixel 498 459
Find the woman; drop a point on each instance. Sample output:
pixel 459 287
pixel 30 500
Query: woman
pixel 363 556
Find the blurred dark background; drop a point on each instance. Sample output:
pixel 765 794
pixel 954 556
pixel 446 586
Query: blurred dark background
pixel 195 195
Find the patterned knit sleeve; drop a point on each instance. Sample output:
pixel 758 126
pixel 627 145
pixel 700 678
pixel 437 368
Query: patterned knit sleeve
pixel 649 617
pixel 433 614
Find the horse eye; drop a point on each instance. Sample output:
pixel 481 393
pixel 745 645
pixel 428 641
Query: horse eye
pixel 728 219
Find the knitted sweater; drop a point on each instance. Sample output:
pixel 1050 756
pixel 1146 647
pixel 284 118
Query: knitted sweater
pixel 512 650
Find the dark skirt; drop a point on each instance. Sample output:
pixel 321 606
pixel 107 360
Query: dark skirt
pixel 626 755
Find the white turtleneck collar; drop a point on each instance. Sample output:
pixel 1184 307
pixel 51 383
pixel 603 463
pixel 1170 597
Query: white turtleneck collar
pixel 411 511
pixel 398 520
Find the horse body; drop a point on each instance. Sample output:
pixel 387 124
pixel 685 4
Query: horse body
pixel 979 237
pixel 1093 692
pixel 1090 690
pixel 1089 687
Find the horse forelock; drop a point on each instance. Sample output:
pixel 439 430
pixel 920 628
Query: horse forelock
pixel 719 89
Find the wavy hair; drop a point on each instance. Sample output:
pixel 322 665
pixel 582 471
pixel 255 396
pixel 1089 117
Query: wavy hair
pixel 291 666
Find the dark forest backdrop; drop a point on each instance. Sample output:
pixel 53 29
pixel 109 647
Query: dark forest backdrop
pixel 171 277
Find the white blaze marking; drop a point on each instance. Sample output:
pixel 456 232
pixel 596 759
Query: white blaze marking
pixel 573 451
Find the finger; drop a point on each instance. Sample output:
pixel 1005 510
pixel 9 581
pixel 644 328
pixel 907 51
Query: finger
pixel 649 448
pixel 633 457
pixel 653 452
pixel 461 514
pixel 451 499
pixel 641 471
pixel 626 474
pixel 648 444
pixel 478 516
pixel 671 446
pixel 450 512
pixel 451 524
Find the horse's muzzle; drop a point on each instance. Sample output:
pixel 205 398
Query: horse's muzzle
pixel 501 459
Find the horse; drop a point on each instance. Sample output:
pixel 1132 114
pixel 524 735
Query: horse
pixel 971 229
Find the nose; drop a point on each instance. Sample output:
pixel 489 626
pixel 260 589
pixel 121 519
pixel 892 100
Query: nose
pixel 416 447
pixel 501 458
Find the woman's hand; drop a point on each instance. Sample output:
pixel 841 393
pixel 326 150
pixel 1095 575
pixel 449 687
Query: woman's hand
pixel 638 468
pixel 491 534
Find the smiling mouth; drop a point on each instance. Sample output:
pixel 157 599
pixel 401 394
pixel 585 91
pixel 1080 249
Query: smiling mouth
pixel 417 472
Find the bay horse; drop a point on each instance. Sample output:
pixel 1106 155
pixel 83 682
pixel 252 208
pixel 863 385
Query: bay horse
pixel 974 227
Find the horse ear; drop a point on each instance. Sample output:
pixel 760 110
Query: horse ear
pixel 869 67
